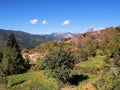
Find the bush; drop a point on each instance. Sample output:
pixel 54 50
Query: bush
pixel 38 65
pixel 60 63
pixel 110 79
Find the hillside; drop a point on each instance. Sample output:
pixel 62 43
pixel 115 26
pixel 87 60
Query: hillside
pixel 84 42
pixel 24 39
pixel 31 81
pixel 96 62
pixel 96 37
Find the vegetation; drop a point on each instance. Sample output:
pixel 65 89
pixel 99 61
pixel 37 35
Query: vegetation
pixel 30 81
pixel 1 55
pixel 25 40
pixel 3 78
pixel 111 77
pixel 60 63
pixel 92 54
pixel 89 61
pixel 12 58
pixel 93 66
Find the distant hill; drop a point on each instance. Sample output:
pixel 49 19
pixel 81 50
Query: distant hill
pixel 60 35
pixel 24 39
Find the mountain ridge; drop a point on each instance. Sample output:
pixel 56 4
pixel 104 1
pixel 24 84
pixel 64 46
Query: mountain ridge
pixel 61 35
pixel 25 40
pixel 28 40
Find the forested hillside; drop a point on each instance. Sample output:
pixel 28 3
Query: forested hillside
pixel 24 39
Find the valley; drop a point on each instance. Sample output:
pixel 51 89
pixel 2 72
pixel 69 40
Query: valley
pixel 88 57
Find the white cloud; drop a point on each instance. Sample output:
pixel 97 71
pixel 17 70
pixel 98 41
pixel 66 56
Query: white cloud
pixel 66 22
pixel 34 21
pixel 44 22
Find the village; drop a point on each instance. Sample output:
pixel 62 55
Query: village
pixel 33 57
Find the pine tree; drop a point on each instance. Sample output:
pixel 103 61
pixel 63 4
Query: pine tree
pixel 12 58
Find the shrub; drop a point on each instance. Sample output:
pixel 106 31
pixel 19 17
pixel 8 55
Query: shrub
pixel 60 63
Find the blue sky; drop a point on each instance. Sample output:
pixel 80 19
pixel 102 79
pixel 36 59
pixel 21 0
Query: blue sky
pixel 47 16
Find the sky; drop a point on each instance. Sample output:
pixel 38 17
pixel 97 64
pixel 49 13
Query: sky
pixel 48 16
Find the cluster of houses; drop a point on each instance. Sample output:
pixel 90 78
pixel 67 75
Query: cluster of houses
pixel 32 57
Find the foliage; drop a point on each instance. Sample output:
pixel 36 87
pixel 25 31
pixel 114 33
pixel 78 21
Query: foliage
pixel 94 62
pixel 30 81
pixel 60 63
pixel 92 66
pixel 84 55
pixel 110 79
pixel 38 65
pixel 25 50
pixel 26 64
pixel 90 48
pixel 3 78
pixel 112 44
pixel 1 55
pixel 12 59
pixel 118 28
pixel 99 52
pixel 77 55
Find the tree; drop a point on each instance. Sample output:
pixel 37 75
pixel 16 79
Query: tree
pixel 1 57
pixel 60 63
pixel 12 59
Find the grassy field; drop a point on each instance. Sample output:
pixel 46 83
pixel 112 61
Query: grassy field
pixel 40 81
pixel 90 69
pixel 30 81
pixel 92 65
pixel 93 62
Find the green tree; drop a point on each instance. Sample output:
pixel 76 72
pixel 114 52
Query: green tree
pixel 12 59
pixel 1 55
pixel 60 63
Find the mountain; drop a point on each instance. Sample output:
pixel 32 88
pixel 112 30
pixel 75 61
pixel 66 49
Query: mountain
pixel 60 35
pixel 24 39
